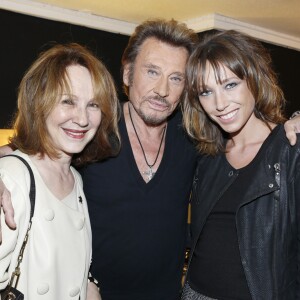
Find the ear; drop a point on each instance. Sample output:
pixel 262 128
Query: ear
pixel 126 74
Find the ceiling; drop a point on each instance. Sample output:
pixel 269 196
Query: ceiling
pixel 279 19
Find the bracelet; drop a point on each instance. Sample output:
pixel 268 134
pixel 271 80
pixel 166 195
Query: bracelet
pixel 296 113
pixel 93 280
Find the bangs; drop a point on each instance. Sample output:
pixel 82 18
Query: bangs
pixel 216 66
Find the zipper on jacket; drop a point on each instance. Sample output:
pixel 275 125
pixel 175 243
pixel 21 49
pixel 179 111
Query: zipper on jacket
pixel 277 173
pixel 194 188
pixel 276 208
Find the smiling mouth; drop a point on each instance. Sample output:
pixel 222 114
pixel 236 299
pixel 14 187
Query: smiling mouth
pixel 77 134
pixel 229 115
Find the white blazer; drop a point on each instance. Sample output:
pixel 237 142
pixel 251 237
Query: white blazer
pixel 58 253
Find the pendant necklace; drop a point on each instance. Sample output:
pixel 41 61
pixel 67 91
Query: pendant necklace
pixel 150 173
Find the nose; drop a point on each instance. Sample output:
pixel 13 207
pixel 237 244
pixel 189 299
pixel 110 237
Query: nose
pixel 221 101
pixel 80 117
pixel 162 87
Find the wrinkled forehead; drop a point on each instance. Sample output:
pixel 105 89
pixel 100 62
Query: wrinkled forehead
pixel 162 54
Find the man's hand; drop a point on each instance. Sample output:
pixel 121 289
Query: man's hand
pixel 7 208
pixel 292 127
pixel 5 150
pixel 92 292
pixel 5 200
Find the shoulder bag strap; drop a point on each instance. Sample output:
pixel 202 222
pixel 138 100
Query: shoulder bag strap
pixel 16 274
pixel 32 184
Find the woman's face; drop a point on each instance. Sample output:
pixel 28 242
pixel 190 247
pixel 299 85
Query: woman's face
pixel 229 103
pixel 76 117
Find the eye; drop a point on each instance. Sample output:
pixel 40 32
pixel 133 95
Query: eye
pixel 93 105
pixel 67 101
pixel 204 93
pixel 152 72
pixel 177 79
pixel 231 85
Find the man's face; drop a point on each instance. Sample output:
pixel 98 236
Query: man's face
pixel 157 80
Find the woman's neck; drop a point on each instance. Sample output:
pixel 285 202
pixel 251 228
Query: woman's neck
pixel 56 174
pixel 243 146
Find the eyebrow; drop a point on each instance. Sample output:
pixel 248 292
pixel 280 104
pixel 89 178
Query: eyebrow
pixel 206 86
pixel 179 74
pixel 229 78
pixel 222 81
pixel 68 95
pixel 152 66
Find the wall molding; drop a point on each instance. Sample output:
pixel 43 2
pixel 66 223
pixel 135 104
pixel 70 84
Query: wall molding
pixel 207 22
pixel 75 17
pixel 216 21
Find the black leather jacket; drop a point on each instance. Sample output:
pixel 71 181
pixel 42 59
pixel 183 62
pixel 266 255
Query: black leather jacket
pixel 268 220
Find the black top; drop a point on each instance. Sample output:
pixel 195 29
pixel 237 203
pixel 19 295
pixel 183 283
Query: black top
pixel 216 269
pixel 139 228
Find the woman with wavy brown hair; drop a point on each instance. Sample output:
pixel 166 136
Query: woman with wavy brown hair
pixel 67 113
pixel 245 209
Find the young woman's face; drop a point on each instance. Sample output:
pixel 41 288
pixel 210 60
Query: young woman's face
pixel 75 119
pixel 229 103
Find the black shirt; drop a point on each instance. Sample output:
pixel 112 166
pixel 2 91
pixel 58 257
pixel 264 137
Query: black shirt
pixel 139 229
pixel 216 269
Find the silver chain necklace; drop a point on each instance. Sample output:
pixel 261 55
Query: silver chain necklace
pixel 150 173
